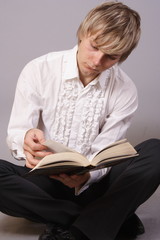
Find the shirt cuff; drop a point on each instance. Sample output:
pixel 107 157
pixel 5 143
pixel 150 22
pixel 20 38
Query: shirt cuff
pixel 16 146
pixel 95 176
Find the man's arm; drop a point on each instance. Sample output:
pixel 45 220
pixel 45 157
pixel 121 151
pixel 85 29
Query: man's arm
pixel 25 111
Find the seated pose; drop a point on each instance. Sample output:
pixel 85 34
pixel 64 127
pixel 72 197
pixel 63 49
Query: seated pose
pixel 83 99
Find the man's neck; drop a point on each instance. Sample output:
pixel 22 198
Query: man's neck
pixel 87 80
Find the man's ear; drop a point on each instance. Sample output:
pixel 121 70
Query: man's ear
pixel 79 41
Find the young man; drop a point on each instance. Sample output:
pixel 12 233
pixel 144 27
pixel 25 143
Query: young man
pixel 83 99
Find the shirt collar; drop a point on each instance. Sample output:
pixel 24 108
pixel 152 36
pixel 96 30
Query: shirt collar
pixel 71 70
pixel 104 77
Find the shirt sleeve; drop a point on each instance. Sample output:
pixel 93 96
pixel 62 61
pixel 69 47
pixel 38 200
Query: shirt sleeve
pixel 122 105
pixel 25 111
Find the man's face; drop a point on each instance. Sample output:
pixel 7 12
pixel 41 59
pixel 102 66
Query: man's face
pixel 91 61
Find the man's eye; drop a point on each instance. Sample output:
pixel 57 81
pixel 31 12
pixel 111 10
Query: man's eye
pixel 113 57
pixel 94 47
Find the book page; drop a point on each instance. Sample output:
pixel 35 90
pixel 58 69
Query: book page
pixel 112 145
pixel 120 151
pixel 57 147
pixel 63 159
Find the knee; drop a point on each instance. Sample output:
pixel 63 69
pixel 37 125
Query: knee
pixel 2 164
pixel 4 167
pixel 149 152
pixel 151 145
pixel 152 142
pixel 153 153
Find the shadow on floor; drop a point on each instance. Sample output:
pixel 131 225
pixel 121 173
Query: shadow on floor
pixel 13 225
pixel 18 226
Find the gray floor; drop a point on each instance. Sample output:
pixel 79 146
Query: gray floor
pixel 17 229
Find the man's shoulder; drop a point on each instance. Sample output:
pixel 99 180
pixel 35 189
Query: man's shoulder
pixel 52 56
pixel 122 79
pixel 121 74
pixel 49 61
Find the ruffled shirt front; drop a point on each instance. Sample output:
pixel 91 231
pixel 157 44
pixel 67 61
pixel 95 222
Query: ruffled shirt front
pixel 71 107
pixel 50 95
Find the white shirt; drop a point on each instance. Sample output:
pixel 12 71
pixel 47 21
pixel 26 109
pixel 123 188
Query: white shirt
pixel 49 95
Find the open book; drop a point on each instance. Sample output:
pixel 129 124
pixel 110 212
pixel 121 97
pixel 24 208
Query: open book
pixel 66 160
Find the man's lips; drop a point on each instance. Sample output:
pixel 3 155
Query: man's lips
pixel 91 68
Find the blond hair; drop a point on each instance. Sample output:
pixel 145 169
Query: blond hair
pixel 116 28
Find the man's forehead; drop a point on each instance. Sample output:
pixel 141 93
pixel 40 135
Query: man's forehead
pixel 106 48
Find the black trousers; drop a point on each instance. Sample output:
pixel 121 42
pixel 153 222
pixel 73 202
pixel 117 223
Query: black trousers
pixel 99 211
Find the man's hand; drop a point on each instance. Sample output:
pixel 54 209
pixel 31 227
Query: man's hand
pixel 73 181
pixel 33 147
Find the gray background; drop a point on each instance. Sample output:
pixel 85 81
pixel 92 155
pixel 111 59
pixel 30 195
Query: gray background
pixel 31 28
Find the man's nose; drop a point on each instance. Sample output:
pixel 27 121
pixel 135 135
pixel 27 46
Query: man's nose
pixel 98 58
